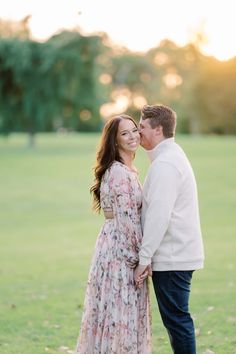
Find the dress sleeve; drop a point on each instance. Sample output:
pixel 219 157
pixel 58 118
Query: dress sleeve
pixel 125 210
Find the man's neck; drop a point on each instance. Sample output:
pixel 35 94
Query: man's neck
pixel 159 140
pixel 161 146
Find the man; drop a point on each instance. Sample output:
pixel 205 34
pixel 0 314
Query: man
pixel 172 240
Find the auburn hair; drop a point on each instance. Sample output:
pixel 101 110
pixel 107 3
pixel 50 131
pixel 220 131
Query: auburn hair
pixel 107 153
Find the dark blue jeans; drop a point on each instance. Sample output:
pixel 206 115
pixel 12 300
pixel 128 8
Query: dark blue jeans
pixel 172 289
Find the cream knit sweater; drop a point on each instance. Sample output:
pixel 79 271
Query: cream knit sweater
pixel 170 216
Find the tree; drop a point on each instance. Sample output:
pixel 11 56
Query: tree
pixel 47 85
pixel 215 93
pixel 71 62
pixel 21 86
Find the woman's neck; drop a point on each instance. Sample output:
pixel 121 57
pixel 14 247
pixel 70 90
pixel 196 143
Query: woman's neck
pixel 127 158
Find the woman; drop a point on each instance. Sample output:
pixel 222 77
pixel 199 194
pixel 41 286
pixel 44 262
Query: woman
pixel 116 318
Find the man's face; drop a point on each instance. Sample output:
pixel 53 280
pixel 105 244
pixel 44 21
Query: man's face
pixel 148 135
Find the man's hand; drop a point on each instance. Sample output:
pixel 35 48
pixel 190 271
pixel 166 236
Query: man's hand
pixel 141 272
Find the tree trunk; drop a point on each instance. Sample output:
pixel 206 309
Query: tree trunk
pixel 31 141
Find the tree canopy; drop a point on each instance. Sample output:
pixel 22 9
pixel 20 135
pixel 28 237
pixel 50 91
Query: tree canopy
pixel 75 82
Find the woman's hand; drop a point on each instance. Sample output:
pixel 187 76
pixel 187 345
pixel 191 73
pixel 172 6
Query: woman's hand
pixel 132 263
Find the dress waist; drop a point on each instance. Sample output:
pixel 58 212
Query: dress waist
pixel 108 213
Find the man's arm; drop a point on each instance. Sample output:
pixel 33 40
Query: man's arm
pixel 160 199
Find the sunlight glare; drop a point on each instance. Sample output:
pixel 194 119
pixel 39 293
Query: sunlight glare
pixel 138 26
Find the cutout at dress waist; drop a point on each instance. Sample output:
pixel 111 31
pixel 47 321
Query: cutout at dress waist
pixel 108 213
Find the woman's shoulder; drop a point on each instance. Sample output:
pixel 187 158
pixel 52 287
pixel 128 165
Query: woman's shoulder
pixel 116 173
pixel 117 168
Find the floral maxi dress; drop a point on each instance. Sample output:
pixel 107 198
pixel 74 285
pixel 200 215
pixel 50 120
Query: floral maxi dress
pixel 116 317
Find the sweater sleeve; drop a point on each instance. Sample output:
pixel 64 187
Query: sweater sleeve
pixel 125 212
pixel 160 197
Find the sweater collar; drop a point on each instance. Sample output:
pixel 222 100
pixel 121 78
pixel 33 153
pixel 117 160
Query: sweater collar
pixel 153 154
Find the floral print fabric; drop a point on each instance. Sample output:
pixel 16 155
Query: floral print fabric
pixel 116 318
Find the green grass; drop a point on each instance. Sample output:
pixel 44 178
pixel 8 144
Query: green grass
pixel 48 233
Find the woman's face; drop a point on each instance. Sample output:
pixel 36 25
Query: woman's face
pixel 128 137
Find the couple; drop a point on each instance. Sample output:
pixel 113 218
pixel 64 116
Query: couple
pixel 168 245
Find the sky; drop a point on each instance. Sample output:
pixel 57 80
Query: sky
pixel 138 25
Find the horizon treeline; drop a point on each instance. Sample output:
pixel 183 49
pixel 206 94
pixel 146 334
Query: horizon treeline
pixel 74 82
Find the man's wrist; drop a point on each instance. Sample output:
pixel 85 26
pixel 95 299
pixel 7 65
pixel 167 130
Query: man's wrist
pixel 144 261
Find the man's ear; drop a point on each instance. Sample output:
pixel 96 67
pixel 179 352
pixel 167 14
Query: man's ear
pixel 159 130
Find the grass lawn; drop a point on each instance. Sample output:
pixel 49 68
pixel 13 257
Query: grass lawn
pixel 48 231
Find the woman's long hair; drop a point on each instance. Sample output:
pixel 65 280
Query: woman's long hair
pixel 107 153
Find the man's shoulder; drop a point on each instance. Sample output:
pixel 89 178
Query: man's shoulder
pixel 168 157
pixel 162 166
pixel 174 155
pixel 171 160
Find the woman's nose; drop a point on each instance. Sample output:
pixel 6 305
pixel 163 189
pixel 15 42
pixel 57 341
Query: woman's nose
pixel 134 134
pixel 131 135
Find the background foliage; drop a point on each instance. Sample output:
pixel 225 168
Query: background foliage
pixel 75 82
